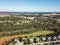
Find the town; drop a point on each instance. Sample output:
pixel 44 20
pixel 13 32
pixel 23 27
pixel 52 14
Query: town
pixel 30 28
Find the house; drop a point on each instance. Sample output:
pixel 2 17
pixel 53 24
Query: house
pixel 49 38
pixel 31 39
pixel 44 38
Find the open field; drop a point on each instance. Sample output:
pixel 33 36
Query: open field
pixel 4 15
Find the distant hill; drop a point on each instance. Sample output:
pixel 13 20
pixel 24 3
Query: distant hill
pixel 29 12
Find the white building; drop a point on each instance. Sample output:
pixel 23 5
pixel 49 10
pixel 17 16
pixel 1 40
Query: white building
pixel 49 38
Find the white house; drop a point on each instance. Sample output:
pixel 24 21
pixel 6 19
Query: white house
pixel 31 39
pixel 43 38
pixel 59 36
pixel 49 38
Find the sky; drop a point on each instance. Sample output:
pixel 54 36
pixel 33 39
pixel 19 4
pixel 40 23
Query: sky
pixel 30 5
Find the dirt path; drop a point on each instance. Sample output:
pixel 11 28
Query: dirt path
pixel 2 40
pixel 8 38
